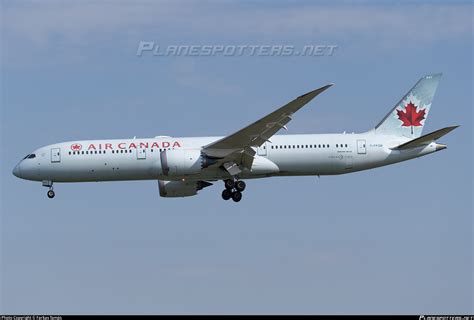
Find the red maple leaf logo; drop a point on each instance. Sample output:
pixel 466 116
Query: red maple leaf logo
pixel 76 147
pixel 411 117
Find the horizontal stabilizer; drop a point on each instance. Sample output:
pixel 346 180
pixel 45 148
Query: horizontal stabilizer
pixel 426 139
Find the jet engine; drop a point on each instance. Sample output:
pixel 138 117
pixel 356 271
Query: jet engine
pixel 171 189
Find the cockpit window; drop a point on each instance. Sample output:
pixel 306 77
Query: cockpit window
pixel 30 156
pixel 26 156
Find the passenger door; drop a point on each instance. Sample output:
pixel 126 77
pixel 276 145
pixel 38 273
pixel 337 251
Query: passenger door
pixel 55 155
pixel 361 147
pixel 262 150
pixel 141 153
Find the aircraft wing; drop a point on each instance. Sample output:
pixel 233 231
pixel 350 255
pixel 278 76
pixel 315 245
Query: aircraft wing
pixel 237 147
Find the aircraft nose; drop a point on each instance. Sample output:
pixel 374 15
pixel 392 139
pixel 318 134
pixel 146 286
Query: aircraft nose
pixel 17 171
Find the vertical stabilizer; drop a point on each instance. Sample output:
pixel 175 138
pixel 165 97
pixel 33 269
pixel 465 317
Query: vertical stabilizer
pixel 409 115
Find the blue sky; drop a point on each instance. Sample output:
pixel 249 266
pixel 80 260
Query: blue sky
pixel 391 240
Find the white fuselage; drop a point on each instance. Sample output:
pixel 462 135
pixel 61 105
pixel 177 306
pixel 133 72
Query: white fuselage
pixel 285 155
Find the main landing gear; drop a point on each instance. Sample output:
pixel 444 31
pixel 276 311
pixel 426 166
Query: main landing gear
pixel 50 192
pixel 233 189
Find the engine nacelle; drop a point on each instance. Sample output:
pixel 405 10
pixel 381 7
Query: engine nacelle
pixel 171 189
pixel 180 162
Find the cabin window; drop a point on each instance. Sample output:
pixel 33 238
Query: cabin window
pixel 346 145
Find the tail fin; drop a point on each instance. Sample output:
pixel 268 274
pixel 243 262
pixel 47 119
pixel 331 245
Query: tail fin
pixel 409 115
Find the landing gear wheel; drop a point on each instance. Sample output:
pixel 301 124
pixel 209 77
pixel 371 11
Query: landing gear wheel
pixel 226 194
pixel 229 184
pixel 240 185
pixel 236 196
pixel 50 194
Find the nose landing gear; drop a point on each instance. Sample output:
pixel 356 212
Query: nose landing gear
pixel 50 192
pixel 233 189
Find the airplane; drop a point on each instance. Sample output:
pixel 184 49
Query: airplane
pixel 184 166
